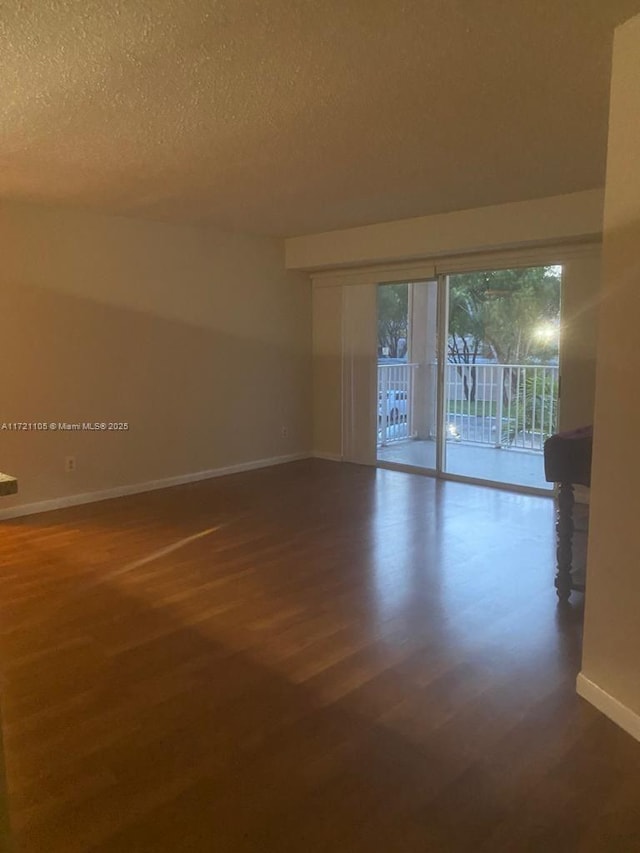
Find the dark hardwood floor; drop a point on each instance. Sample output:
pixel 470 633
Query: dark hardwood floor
pixel 349 660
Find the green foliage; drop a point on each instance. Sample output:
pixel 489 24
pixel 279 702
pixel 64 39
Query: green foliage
pixel 498 313
pixel 533 405
pixel 393 307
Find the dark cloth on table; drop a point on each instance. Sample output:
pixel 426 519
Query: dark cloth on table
pixel 567 456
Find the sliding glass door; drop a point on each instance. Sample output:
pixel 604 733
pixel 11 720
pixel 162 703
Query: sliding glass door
pixel 502 373
pixel 407 386
pixel 468 374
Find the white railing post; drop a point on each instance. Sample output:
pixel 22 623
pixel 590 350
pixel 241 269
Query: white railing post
pixel 499 405
pixel 383 407
pixel 533 404
pixel 410 398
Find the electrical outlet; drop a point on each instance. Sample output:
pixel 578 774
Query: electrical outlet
pixel 70 464
pixel 284 432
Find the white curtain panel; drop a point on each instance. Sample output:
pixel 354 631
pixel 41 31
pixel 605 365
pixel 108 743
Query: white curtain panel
pixel 359 360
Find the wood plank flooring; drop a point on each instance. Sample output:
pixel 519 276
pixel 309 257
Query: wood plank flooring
pixel 349 660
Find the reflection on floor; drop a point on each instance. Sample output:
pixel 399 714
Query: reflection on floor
pixel 471 460
pixel 355 660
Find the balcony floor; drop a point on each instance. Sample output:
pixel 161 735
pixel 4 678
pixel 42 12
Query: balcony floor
pixel 514 467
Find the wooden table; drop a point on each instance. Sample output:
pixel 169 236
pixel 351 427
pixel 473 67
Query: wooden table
pixel 8 485
pixel 567 462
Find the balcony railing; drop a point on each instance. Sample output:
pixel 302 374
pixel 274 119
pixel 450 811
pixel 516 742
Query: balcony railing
pixel 503 405
pixel 499 405
pixel 396 395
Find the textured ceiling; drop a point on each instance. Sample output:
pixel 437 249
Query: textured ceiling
pixel 287 117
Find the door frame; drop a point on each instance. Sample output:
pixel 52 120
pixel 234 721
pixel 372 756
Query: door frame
pixel 425 269
pixel 442 332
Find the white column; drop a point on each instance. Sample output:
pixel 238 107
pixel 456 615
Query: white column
pixel 423 341
pixel 610 676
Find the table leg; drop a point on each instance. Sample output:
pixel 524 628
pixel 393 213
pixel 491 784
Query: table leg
pixel 564 530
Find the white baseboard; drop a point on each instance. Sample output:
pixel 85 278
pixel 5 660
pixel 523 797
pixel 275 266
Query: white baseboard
pixel 610 707
pixel 149 486
pixel 330 457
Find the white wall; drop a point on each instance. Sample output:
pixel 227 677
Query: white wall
pixel 580 304
pixel 611 660
pixel 199 339
pixel 527 223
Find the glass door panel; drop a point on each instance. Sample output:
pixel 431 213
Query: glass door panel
pixel 502 375
pixel 407 415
